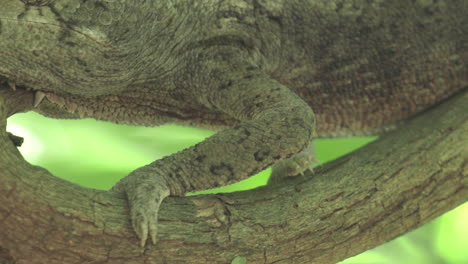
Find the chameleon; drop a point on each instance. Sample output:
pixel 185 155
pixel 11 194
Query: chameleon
pixel 268 75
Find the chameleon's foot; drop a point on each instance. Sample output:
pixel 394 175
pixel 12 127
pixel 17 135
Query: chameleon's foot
pixel 145 193
pixel 296 165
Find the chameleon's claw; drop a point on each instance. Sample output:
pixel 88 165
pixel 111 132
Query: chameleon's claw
pixel 145 225
pixel 296 165
pixel 143 235
pixel 145 194
pixel 12 85
pixel 153 227
pixel 38 97
pixel 9 83
pixel 141 228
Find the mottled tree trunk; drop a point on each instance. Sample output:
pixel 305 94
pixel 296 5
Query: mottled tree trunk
pixel 362 200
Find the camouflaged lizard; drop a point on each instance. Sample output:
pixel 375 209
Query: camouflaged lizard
pixel 270 75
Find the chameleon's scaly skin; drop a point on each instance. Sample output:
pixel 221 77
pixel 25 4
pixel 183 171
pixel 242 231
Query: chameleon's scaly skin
pixel 272 74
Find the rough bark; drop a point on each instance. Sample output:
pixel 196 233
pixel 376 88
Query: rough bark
pixel 357 202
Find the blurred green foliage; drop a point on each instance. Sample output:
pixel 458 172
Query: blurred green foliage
pixel 97 154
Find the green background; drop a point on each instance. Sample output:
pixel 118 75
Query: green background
pixel 97 154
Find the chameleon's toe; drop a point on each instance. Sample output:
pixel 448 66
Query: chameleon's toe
pixel 145 222
pixel 145 205
pixel 296 165
pixel 144 198
pixel 139 223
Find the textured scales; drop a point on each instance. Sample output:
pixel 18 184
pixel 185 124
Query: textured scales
pixel 271 75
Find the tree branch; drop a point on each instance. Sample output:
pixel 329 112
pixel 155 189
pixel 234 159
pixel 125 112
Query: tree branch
pixel 357 202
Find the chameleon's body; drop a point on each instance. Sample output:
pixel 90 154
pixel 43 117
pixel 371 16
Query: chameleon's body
pixel 359 67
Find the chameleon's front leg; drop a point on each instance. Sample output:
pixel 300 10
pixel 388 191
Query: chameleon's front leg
pixel 275 124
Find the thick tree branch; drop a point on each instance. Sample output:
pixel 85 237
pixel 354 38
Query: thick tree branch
pixel 362 200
